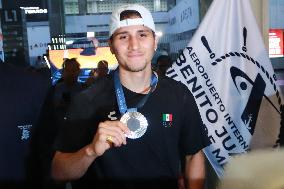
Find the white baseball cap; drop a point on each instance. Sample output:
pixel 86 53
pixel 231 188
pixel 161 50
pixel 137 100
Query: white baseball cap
pixel 145 20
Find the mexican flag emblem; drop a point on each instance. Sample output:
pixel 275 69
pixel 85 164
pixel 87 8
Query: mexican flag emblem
pixel 167 120
pixel 167 117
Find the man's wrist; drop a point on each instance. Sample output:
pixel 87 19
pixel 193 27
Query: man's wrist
pixel 90 152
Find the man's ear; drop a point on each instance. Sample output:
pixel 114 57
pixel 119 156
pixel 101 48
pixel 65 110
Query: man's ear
pixel 110 46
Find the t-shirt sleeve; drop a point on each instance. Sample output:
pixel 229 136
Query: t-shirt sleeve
pixel 193 133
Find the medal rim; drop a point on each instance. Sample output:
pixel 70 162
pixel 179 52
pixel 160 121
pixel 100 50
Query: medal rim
pixel 142 127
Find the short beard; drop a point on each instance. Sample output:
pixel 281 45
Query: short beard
pixel 126 67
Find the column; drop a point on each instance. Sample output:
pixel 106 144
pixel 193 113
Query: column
pixel 261 11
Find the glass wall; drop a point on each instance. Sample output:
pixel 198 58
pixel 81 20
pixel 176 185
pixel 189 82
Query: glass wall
pixel 71 6
pixel 99 6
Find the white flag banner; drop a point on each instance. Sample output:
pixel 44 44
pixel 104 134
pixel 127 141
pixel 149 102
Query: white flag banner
pixel 228 71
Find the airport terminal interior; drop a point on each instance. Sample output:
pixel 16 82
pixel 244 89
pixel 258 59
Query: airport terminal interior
pixel 38 36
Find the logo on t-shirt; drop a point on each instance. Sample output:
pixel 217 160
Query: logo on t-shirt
pixel 167 120
pixel 112 116
pixel 25 131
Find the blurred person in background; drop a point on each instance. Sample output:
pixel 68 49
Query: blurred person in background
pixel 40 63
pixel 21 99
pixel 163 63
pixel 102 68
pixel 53 114
pixel 70 86
pixel 100 71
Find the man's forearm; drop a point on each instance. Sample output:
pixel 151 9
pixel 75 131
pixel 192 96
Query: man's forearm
pixel 195 171
pixel 70 166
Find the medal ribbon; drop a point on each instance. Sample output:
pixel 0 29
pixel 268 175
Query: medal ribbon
pixel 121 98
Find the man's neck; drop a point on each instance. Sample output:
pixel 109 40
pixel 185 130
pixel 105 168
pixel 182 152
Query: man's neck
pixel 137 82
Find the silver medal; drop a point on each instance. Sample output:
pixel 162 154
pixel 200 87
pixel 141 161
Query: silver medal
pixel 136 123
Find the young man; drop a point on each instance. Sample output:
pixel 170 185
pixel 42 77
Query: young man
pixel 132 129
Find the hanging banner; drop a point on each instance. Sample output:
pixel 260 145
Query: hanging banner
pixel 227 69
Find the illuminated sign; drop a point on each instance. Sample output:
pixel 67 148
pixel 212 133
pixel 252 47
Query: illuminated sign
pixel 56 57
pixel 276 48
pixel 57 43
pixel 34 10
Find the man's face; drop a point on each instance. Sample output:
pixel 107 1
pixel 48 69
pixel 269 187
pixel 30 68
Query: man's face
pixel 133 47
